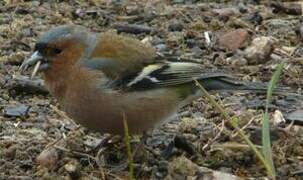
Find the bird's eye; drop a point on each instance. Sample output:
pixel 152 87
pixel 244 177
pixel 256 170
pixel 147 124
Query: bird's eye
pixel 57 51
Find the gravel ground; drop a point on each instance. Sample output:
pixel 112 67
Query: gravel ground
pixel 246 38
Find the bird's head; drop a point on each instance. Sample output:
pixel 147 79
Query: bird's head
pixel 59 48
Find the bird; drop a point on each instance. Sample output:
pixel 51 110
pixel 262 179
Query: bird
pixel 101 78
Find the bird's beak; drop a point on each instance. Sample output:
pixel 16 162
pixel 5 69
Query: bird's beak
pixel 35 59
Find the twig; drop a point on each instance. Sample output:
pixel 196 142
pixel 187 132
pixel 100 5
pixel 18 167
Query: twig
pixel 244 127
pixel 233 146
pixel 59 139
pixel 216 137
pixel 99 164
pixel 74 152
pixel 133 28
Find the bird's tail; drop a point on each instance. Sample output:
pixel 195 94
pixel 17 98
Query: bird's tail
pixel 229 84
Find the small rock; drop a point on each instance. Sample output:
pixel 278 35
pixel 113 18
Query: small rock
pixel 161 47
pixel 175 38
pixel 242 8
pixel 298 173
pixel 147 40
pixel 26 164
pixel 28 32
pixel 73 169
pixel 187 125
pixel 299 32
pixel 5 96
pixel 225 13
pixel 236 60
pixel 182 143
pixel 162 169
pixel 190 43
pixel 260 50
pixel 296 116
pixel 95 142
pixel 255 18
pixel 215 24
pixel 278 118
pixel 234 39
pixel 10 152
pixel 299 51
pixel 226 170
pixel 16 111
pixel 182 168
pixel 278 24
pixel 18 177
pixel 197 52
pixel 2 79
pixel 178 1
pixel 287 8
pixel 239 62
pixel 254 2
pixel 198 26
pixel 75 144
pixel 175 27
pixel 205 173
pixel 48 158
pixel 162 165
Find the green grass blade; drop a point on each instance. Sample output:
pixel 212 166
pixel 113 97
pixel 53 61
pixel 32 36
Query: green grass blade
pixel 128 148
pixel 234 124
pixel 267 151
pixel 266 143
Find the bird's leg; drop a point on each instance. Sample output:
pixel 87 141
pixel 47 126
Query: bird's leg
pixel 124 164
pixel 141 144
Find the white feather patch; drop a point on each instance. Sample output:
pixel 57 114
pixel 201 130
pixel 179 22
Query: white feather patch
pixel 145 74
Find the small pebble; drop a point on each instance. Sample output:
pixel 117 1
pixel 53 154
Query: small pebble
pixel 234 39
pixel 256 18
pixel 16 111
pixel 296 116
pixel 287 8
pixel 72 169
pixel 48 158
pixel 161 47
pixel 175 27
pixel 260 50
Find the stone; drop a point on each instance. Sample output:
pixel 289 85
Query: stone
pixel 225 13
pixel 287 8
pixel 260 50
pixel 181 167
pixel 234 39
pixel 175 27
pixel 16 111
pixel 299 32
pixel 296 116
pixel 48 158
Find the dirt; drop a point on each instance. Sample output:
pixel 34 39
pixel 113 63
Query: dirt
pixel 38 141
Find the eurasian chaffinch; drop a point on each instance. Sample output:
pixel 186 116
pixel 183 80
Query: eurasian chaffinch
pixel 99 77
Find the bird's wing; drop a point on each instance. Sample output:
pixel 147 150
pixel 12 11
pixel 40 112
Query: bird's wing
pixel 119 56
pixel 171 74
pixel 184 74
pixel 167 74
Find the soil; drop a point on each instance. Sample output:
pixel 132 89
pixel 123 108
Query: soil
pixel 38 141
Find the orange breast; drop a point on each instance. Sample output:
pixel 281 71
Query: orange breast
pixel 84 100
